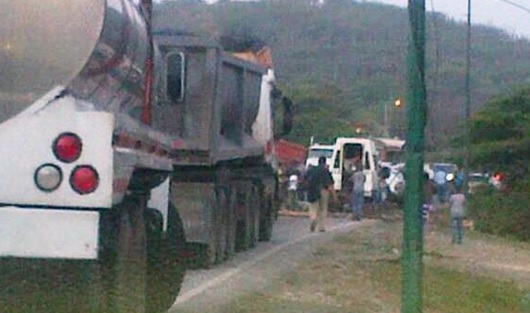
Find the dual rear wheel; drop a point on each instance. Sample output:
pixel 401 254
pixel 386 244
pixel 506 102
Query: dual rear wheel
pixel 141 266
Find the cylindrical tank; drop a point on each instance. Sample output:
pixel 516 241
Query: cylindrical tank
pixel 95 48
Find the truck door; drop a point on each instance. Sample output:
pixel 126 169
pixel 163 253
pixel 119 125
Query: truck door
pixel 336 170
pixel 370 172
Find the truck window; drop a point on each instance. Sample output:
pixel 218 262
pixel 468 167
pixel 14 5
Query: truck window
pixel 367 161
pixel 175 73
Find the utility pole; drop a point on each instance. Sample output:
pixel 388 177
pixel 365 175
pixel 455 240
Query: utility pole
pixel 412 260
pixel 468 99
pixel 468 62
pixel 386 120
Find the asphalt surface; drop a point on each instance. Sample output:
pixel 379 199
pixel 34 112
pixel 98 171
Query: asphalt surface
pixel 252 270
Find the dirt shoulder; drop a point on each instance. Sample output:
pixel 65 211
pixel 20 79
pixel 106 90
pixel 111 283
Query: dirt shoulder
pixel 481 254
pixel 214 290
pixel 358 270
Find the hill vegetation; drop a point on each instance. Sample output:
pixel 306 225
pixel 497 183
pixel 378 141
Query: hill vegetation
pixel 342 62
pixel 499 141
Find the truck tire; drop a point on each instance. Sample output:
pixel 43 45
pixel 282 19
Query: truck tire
pixel 266 218
pixel 165 261
pixel 231 222
pixel 244 222
pixel 124 261
pixel 223 216
pixel 255 206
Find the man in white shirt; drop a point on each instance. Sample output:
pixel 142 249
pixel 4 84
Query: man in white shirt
pixel 292 187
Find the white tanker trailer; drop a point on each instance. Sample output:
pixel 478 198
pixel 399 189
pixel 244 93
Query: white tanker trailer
pixel 121 155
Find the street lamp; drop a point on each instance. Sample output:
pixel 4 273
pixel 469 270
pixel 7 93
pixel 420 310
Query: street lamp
pixel 386 118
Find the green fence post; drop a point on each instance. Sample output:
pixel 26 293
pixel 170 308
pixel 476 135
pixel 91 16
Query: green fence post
pixel 412 263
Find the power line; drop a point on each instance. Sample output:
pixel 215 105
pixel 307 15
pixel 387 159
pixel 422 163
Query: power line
pixel 527 10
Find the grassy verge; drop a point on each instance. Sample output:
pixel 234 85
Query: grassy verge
pixel 360 272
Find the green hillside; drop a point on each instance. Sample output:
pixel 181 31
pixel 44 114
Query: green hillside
pixel 342 61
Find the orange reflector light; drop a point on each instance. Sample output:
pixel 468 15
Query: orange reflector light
pixel 67 147
pixel 84 179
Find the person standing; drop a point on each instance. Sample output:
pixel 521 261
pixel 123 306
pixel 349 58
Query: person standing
pixel 428 210
pixel 292 193
pixel 441 185
pixel 357 194
pixel 320 185
pixel 457 203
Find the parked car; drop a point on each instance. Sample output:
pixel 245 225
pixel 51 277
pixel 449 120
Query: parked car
pixel 497 181
pixel 476 181
pixel 396 179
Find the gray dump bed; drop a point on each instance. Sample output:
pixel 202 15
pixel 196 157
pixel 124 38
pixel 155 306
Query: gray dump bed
pixel 213 120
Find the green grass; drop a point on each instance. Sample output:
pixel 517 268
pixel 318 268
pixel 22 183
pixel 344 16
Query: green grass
pixel 360 272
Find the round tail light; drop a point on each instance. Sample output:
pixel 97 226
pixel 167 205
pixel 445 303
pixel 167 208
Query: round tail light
pixel 67 147
pixel 84 179
pixel 48 177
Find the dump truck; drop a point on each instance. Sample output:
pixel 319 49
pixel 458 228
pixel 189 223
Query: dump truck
pixel 124 153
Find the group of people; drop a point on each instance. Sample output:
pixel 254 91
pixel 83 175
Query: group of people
pixel 320 188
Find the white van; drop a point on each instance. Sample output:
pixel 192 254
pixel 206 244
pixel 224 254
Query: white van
pixel 340 156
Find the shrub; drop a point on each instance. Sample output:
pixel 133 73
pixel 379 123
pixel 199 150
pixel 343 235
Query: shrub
pixel 502 213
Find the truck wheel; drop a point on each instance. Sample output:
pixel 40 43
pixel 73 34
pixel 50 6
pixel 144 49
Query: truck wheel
pixel 165 264
pixel 169 271
pixel 124 262
pixel 244 222
pixel 266 219
pixel 223 216
pixel 255 210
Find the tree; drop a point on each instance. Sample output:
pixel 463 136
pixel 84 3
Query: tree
pixel 500 135
pixel 500 141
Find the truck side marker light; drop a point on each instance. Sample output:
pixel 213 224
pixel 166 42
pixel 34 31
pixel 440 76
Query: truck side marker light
pixel 84 179
pixel 67 147
pixel 48 177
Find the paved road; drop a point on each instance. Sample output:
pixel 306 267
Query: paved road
pixel 209 290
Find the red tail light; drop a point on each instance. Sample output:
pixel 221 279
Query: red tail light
pixel 84 179
pixel 498 176
pixel 67 147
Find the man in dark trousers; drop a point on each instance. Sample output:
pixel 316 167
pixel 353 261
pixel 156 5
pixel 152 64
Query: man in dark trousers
pixel 357 195
pixel 320 185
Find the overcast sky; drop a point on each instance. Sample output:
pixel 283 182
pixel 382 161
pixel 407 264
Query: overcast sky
pixel 499 13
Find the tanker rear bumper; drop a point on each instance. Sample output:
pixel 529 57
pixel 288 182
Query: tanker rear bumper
pixel 48 233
